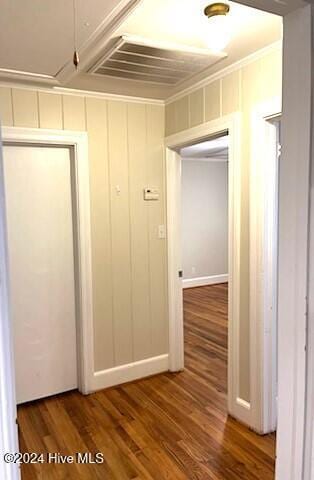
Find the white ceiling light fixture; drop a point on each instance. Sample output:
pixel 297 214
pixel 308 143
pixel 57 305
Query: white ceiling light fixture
pixel 219 28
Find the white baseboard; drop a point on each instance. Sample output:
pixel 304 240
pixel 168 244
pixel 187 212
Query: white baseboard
pixel 240 409
pixel 129 372
pixel 202 281
pixel 244 404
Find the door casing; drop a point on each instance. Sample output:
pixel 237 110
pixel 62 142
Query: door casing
pixel 231 124
pixel 77 142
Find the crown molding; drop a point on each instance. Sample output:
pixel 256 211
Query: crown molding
pixel 226 71
pixel 83 93
pixel 31 77
pixel 108 96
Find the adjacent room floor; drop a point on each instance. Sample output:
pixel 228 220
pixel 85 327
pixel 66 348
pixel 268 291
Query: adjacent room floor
pixel 171 426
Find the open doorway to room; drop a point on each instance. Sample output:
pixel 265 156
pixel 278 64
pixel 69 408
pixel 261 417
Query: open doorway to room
pixel 204 213
pixel 204 295
pixel 224 132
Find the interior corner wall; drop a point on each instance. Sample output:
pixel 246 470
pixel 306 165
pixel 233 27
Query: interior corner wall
pixel 242 90
pixel 128 259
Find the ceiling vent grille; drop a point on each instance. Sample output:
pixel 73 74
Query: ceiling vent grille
pixel 135 59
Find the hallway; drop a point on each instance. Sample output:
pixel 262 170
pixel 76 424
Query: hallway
pixel 171 426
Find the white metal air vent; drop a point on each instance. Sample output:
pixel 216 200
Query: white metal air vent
pixel 137 59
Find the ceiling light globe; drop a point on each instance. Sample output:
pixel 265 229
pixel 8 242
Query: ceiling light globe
pixel 218 33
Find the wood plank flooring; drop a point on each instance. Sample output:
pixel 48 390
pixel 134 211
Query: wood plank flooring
pixel 167 427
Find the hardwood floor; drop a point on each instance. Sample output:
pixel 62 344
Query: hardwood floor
pixel 171 426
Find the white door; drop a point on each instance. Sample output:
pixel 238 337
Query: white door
pixel 41 269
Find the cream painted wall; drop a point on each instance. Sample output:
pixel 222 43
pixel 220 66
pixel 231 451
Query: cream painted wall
pixel 204 218
pixel 126 149
pixel 128 259
pixel 240 90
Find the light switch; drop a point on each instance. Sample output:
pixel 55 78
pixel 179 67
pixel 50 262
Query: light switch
pixel 151 193
pixel 161 231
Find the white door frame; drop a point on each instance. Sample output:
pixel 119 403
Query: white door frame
pixel 263 266
pixel 8 426
pixel 78 143
pixel 294 214
pixel 237 406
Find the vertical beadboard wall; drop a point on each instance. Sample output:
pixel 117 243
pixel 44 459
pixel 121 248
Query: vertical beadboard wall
pixel 240 90
pixel 129 261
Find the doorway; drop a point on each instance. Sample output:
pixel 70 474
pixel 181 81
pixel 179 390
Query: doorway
pixel 57 176
pixel 205 212
pixel 231 126
pixel 253 410
pixel 204 220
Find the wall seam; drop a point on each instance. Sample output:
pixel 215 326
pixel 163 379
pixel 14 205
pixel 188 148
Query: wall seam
pixel 85 113
pixel 130 229
pixel 148 234
pixel 12 106
pixel 240 90
pixel 62 106
pixel 110 225
pixel 203 105
pixel 220 97
pixel 38 109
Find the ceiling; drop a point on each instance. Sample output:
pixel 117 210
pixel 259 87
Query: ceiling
pixel 216 149
pixel 38 39
pixel 280 7
pixel 38 34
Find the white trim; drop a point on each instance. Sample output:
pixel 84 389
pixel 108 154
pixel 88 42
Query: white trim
pixel 175 297
pixel 244 404
pixel 226 71
pixel 205 159
pixel 202 281
pixel 19 75
pixel 79 142
pixel 130 372
pixel 8 414
pixel 83 93
pixel 108 96
pixel 294 195
pixel 263 267
pixel 232 125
